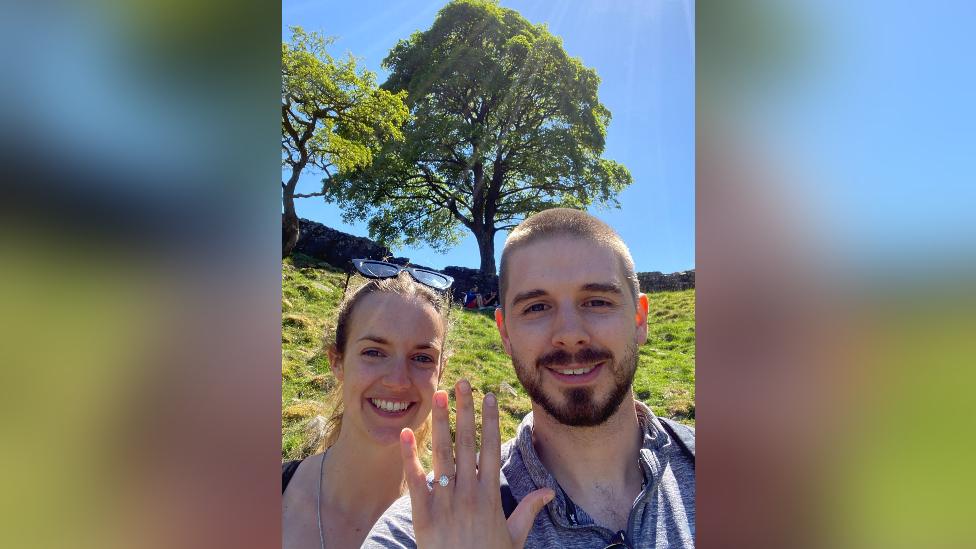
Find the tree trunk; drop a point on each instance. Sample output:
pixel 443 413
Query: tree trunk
pixel 486 247
pixel 289 226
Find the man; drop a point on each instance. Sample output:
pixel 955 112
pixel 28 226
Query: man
pixel 606 470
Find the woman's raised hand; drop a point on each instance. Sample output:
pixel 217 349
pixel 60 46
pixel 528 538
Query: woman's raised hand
pixel 467 511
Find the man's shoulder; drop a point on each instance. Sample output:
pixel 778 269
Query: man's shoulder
pixel 394 529
pixel 512 462
pixel 683 435
pixel 507 449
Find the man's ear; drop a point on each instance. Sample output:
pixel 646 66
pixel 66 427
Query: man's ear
pixel 640 335
pixel 335 362
pixel 503 330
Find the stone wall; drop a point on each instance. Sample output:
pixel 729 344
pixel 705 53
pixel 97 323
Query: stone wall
pixel 337 248
pixel 465 279
pixel 659 282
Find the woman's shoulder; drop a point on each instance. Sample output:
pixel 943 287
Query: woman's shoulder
pixel 301 474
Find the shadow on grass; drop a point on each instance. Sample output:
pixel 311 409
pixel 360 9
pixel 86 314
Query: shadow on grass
pixel 300 261
pixel 487 312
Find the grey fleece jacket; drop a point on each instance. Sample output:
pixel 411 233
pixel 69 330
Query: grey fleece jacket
pixel 663 515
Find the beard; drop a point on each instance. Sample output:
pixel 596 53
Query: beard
pixel 579 406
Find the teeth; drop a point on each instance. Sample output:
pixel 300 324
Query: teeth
pixel 389 405
pixel 577 371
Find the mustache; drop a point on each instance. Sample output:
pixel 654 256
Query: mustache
pixel 560 357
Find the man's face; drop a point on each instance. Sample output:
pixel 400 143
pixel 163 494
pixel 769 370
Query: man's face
pixel 572 328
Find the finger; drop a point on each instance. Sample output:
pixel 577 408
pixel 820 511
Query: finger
pixel 489 461
pixel 520 523
pixel 464 435
pixel 443 458
pixel 413 471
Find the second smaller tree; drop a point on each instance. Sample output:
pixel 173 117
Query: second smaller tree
pixel 333 119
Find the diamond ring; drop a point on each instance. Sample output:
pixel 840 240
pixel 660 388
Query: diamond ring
pixel 444 480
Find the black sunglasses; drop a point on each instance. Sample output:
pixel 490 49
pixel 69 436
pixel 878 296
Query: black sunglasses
pixel 381 269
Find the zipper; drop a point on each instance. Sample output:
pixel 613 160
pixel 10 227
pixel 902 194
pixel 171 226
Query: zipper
pixel 640 497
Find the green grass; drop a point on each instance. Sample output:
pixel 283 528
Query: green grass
pixel 311 292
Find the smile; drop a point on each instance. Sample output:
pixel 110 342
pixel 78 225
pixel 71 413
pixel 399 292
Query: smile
pixel 576 373
pixel 393 406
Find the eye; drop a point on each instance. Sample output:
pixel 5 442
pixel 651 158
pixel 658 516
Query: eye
pixel 375 353
pixel 426 359
pixel 597 302
pixel 535 308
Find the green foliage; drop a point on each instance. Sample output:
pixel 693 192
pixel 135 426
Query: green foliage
pixel 311 293
pixel 505 123
pixel 334 117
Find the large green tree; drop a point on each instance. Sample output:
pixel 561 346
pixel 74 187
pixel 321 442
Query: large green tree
pixel 505 124
pixel 334 118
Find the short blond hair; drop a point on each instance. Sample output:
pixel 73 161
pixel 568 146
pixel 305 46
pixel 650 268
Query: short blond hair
pixel 561 223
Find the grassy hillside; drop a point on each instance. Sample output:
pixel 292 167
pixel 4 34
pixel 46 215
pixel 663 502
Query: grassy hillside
pixel 311 291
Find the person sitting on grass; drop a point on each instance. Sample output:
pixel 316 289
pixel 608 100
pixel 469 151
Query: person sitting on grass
pixel 387 357
pixel 472 299
pixel 489 301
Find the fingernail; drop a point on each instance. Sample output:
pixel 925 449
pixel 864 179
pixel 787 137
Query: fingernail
pixel 490 399
pixel 405 436
pixel 464 386
pixel 440 400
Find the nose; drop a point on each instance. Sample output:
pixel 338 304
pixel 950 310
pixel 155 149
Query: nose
pixel 569 329
pixel 398 376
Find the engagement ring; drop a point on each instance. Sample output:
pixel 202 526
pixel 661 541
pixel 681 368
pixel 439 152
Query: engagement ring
pixel 444 480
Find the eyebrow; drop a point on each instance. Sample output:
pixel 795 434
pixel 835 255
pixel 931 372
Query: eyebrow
pixel 605 287
pixel 525 296
pixel 384 341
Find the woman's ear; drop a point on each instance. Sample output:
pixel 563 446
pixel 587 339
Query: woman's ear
pixel 335 362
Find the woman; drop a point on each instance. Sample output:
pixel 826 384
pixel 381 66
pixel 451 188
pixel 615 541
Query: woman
pixel 388 356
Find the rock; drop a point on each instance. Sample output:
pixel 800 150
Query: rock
pixel 504 386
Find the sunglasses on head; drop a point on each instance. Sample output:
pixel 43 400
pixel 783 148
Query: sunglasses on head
pixel 371 268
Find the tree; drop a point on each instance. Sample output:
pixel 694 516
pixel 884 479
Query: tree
pixel 333 119
pixel 505 124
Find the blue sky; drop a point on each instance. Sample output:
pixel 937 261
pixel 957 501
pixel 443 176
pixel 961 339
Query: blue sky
pixel 643 51
pixel 872 119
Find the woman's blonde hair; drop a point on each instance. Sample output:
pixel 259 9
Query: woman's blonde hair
pixel 404 285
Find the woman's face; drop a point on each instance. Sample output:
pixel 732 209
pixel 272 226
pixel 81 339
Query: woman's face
pixel 391 365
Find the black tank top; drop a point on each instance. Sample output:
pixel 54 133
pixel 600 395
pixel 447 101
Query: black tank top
pixel 288 469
